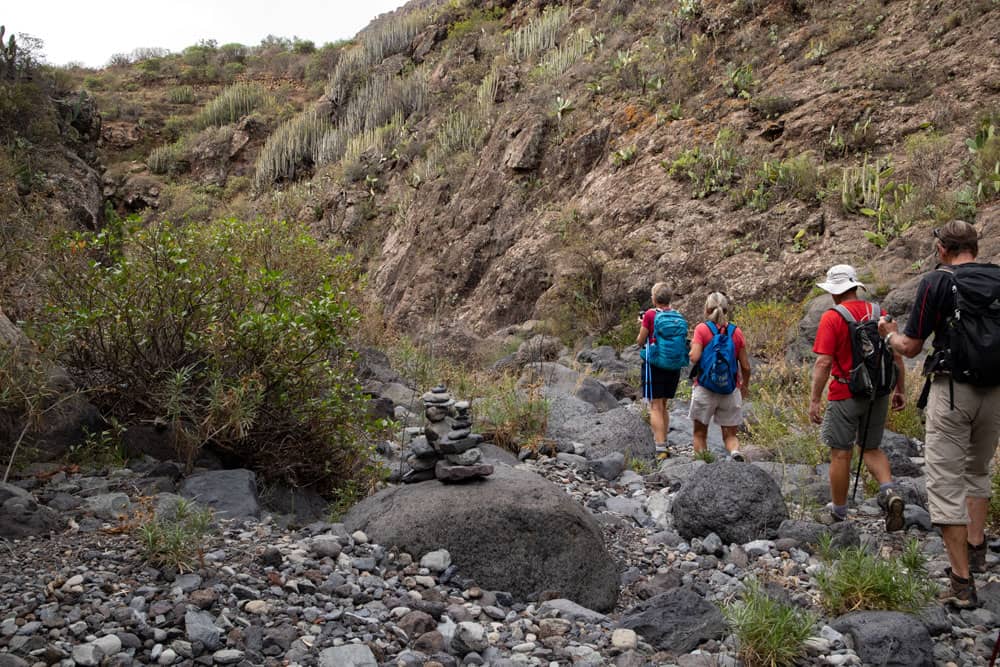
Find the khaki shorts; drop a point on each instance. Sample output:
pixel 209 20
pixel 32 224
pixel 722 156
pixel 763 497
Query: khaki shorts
pixel 960 444
pixel 844 423
pixel 726 408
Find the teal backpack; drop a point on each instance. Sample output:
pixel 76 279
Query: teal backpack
pixel 670 351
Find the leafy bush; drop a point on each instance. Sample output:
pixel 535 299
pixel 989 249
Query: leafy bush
pixel 234 333
pixel 740 81
pixel 777 180
pixel 710 168
pixel 176 539
pixel 856 579
pixel 769 632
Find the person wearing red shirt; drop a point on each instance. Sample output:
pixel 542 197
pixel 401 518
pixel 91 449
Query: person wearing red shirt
pixel 848 419
pixel 658 384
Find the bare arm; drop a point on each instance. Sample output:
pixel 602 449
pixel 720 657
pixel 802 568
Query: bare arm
pixel 640 340
pixel 821 374
pixel 744 371
pixel 695 353
pixel 900 343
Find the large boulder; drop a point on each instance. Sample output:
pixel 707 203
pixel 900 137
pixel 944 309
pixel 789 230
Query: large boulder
pixel 888 638
pixel 676 621
pixel 620 430
pixel 737 502
pixel 22 516
pixel 563 380
pixel 232 494
pixel 898 449
pixel 513 531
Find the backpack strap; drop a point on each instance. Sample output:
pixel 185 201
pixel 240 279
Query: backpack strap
pixel 845 313
pixel 850 319
pixel 711 327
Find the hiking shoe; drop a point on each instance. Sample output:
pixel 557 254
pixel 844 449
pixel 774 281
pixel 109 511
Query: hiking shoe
pixel 977 558
pixel 960 593
pixel 894 506
pixel 662 451
pixel 832 516
pixel 737 456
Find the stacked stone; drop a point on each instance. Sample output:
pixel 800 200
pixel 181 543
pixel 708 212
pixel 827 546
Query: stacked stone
pixel 448 450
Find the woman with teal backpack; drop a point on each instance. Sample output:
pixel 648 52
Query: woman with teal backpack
pixel 662 341
pixel 721 366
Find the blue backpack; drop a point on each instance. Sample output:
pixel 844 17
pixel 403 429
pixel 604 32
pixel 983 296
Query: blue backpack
pixel 718 361
pixel 670 351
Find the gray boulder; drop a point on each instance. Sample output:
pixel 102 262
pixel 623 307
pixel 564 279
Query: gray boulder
pixel 620 430
pixel 604 359
pixel 800 345
pixel 609 467
pixel 22 516
pixel 676 621
pixel 514 516
pixel 565 380
pixel 738 502
pixel 898 449
pixel 809 533
pixel 888 638
pixel 230 493
pixel 348 655
pixel 571 611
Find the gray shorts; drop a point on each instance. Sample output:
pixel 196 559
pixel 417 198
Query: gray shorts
pixel 726 409
pixel 844 423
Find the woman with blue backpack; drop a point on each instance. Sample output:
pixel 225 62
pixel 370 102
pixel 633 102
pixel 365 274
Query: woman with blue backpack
pixel 662 341
pixel 721 367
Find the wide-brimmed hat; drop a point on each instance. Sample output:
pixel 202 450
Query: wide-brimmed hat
pixel 841 278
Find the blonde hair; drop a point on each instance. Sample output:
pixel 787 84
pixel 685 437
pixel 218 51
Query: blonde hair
pixel 717 309
pixel 662 294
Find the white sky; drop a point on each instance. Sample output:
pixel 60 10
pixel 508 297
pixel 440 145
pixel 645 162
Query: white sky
pixel 90 32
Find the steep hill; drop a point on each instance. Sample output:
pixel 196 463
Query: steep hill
pixel 494 161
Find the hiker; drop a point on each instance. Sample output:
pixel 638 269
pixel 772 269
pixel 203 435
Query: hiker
pixel 721 366
pixel 958 302
pixel 859 392
pixel 663 347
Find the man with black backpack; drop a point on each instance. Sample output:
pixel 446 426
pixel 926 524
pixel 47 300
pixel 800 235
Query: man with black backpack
pixel 865 372
pixel 959 303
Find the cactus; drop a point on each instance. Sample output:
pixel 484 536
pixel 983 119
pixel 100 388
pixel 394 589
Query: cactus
pixel 8 57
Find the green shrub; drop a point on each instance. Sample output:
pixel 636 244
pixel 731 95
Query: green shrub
pixel 706 455
pixel 770 633
pixel 856 579
pixel 512 418
pixel 778 180
pixel 181 95
pixel 740 81
pixel 710 168
pixel 766 326
pixel 232 104
pixel 869 190
pixel 177 538
pixel 984 167
pixel 538 34
pixel 234 333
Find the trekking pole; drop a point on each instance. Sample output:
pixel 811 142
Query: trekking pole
pixel 996 651
pixel 861 447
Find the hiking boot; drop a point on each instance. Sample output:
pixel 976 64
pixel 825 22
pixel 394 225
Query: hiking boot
pixel 662 451
pixel 960 593
pixel 894 506
pixel 737 456
pixel 977 558
pixel 832 516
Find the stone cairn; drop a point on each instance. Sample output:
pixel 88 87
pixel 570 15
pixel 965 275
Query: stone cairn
pixel 447 449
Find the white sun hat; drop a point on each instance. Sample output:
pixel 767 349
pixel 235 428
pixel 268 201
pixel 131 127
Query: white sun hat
pixel 841 278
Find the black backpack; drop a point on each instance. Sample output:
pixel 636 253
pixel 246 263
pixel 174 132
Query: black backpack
pixel 873 367
pixel 973 352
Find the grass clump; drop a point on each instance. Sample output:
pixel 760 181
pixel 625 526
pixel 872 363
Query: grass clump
pixel 705 455
pixel 181 95
pixel 770 633
pixel 855 579
pixel 513 418
pixel 766 326
pixel 176 539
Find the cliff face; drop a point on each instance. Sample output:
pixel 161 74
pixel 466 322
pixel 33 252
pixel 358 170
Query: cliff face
pixel 569 207
pixel 496 161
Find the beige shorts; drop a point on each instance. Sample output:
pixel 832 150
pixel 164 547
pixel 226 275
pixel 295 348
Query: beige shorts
pixel 727 409
pixel 960 445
